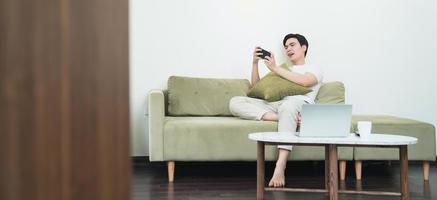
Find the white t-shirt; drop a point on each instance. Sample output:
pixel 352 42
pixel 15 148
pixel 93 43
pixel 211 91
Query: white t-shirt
pixel 317 72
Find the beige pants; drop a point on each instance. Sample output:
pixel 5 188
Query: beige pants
pixel 254 109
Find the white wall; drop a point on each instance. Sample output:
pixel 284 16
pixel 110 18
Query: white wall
pixel 384 51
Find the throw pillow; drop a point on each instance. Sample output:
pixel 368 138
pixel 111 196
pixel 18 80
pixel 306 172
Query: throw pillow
pixel 331 93
pixel 272 87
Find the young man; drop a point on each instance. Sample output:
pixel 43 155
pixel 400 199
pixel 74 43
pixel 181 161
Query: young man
pixel 286 111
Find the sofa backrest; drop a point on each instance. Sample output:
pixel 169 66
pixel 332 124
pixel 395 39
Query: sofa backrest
pixel 203 96
pixel 331 93
pixel 188 96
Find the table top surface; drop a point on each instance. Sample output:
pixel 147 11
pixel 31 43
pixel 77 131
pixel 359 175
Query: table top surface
pixel 352 139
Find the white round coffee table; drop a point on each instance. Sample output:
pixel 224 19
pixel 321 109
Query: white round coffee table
pixel 331 161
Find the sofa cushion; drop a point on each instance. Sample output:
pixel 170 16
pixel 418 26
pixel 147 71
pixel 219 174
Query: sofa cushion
pixel 226 138
pixel 424 132
pixel 203 96
pixel 331 93
pixel 273 88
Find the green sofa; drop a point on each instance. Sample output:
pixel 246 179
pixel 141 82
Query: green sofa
pixel 191 121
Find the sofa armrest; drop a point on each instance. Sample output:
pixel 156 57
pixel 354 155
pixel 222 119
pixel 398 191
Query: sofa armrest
pixel 156 125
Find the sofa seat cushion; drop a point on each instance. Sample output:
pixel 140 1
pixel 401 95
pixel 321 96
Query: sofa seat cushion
pixel 424 132
pixel 226 139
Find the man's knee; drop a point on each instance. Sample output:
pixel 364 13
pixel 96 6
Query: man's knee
pixel 235 102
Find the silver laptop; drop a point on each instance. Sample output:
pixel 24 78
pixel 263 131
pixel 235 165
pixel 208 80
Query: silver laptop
pixel 325 120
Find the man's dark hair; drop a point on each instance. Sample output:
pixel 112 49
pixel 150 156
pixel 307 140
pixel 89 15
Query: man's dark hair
pixel 300 38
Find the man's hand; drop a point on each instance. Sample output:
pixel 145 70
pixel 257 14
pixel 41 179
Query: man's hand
pixel 270 62
pixel 256 55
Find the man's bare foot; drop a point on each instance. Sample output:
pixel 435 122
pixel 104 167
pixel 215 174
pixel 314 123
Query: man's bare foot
pixel 278 178
pixel 270 116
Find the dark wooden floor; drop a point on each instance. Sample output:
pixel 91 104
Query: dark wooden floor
pixel 237 180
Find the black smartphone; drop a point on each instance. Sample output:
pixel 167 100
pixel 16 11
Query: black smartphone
pixel 264 53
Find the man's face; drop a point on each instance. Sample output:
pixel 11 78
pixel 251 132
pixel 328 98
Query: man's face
pixel 294 50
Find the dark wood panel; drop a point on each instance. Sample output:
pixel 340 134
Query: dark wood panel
pixel 64 100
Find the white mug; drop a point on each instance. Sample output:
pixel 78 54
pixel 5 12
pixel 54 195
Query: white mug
pixel 364 128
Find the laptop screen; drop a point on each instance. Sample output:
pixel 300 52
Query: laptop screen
pixel 325 120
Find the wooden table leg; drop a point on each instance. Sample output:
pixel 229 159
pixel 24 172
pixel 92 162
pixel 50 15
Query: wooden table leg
pixel 260 171
pixel 327 168
pixel 403 157
pixel 333 172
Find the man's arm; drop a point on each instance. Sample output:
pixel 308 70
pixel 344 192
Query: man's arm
pixel 306 80
pixel 255 73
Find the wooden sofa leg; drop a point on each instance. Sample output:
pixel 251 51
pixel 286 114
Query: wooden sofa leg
pixel 425 170
pixel 358 169
pixel 170 170
pixel 342 170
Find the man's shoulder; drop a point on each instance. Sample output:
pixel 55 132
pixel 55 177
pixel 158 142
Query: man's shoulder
pixel 312 66
pixel 316 71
